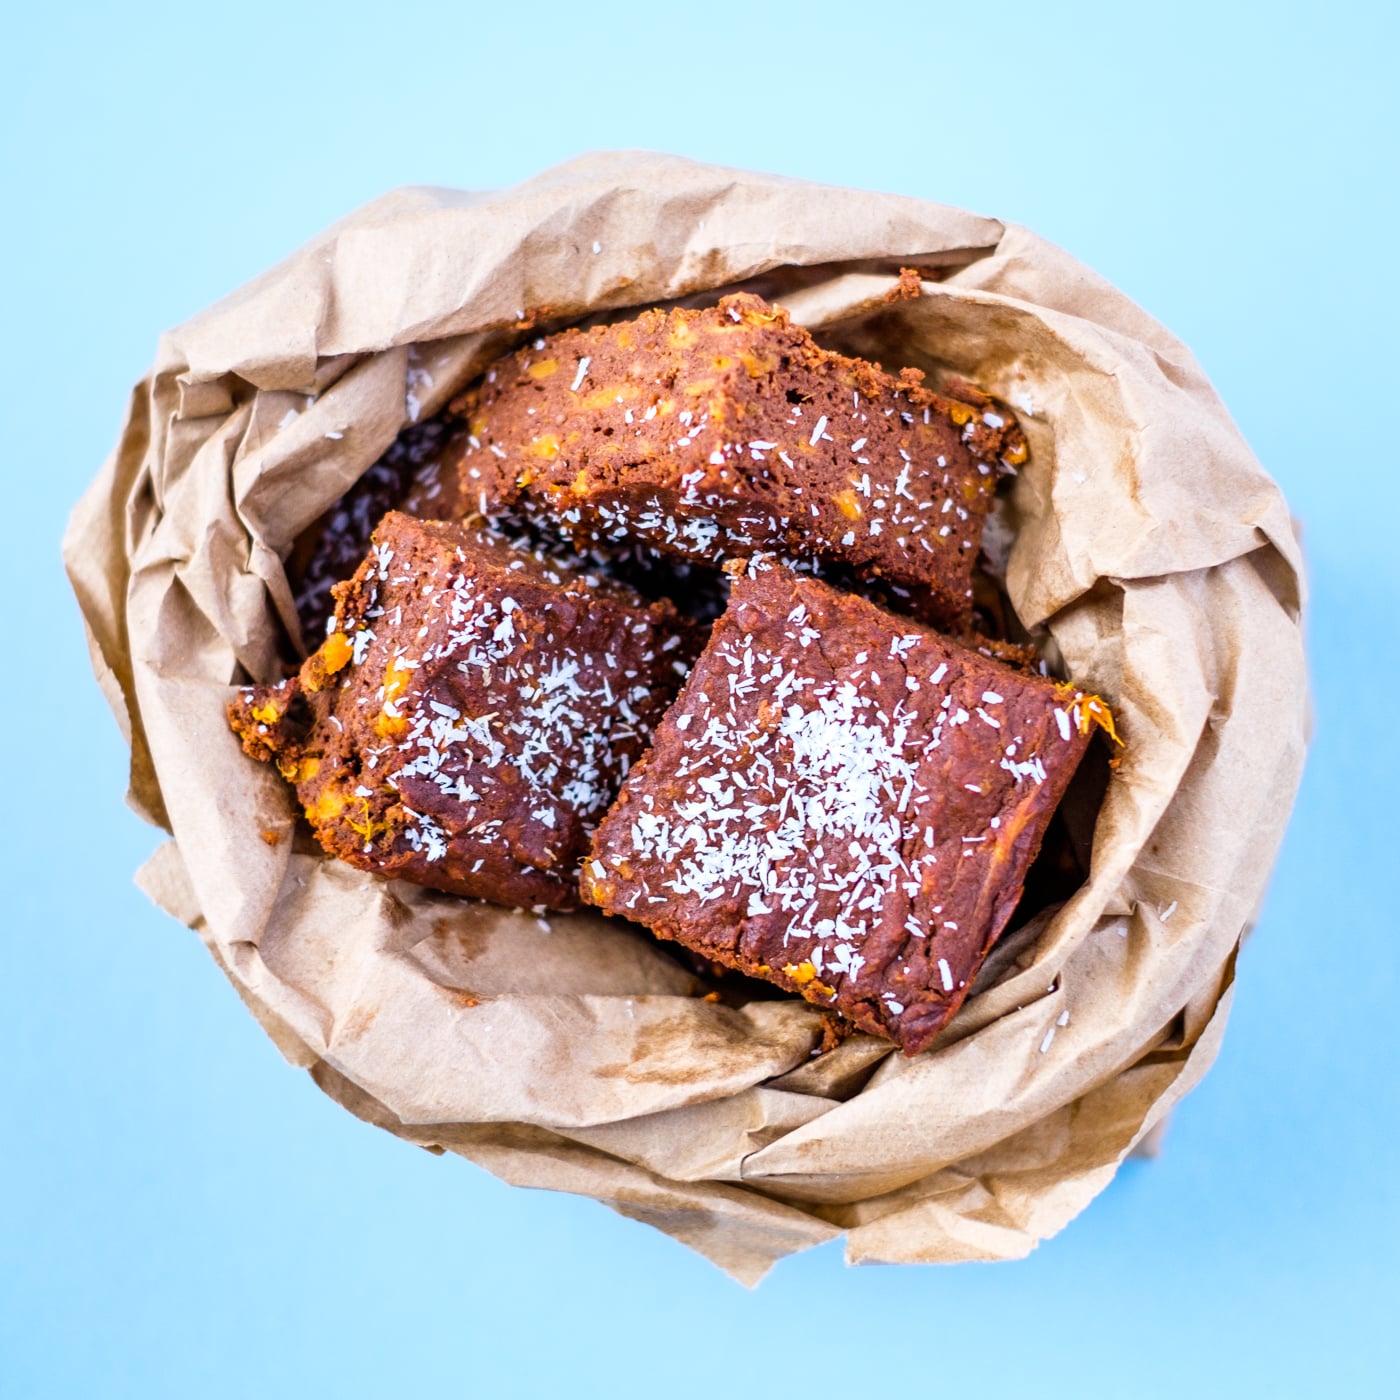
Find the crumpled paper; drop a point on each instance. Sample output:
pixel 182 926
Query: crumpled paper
pixel 571 1052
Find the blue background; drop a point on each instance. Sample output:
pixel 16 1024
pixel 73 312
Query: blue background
pixel 181 1213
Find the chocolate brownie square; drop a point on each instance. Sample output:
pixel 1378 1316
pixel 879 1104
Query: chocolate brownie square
pixel 471 713
pixel 716 433
pixel 842 802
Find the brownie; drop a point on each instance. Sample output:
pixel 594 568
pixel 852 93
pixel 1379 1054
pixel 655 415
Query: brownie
pixel 471 713
pixel 418 475
pixel 716 433
pixel 841 802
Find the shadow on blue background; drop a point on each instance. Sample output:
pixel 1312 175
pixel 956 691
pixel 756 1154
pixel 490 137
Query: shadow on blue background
pixel 185 1215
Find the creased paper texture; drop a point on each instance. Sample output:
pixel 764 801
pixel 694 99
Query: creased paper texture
pixel 572 1053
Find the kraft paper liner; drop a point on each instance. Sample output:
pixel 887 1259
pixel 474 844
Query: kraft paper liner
pixel 1151 552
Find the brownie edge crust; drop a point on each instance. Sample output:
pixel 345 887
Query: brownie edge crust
pixel 841 802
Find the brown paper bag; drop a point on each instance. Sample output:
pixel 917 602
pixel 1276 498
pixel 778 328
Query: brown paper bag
pixel 571 1052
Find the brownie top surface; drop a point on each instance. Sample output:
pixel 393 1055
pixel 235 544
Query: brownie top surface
pixel 491 656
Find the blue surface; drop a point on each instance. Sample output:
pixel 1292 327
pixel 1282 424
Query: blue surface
pixel 182 1214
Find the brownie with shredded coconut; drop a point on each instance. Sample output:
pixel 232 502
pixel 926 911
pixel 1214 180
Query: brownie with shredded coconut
pixel 841 802
pixel 711 434
pixel 471 713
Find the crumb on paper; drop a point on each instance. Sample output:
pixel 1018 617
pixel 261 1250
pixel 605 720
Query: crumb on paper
pixel 908 286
